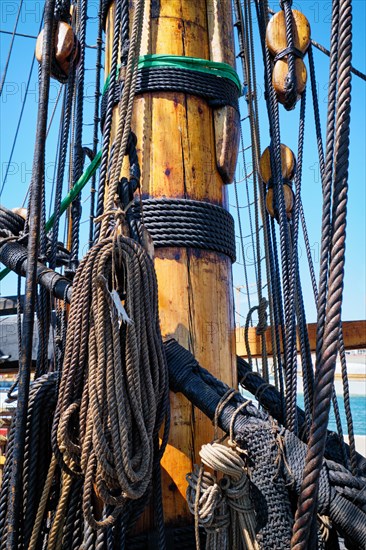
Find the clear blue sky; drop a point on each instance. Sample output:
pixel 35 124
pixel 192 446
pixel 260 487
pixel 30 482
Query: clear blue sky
pixel 318 14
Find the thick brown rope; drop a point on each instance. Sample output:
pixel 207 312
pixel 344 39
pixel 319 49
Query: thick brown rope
pixel 335 233
pixel 114 387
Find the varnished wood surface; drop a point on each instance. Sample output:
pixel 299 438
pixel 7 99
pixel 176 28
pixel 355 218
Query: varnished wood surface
pixel 176 145
pixel 287 164
pixel 354 334
pixel 276 32
pixel 279 75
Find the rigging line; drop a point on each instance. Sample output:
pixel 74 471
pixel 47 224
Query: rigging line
pixel 10 48
pixel 54 171
pixel 98 63
pixel 242 243
pixel 89 46
pixel 254 128
pixel 48 129
pixel 20 116
pixel 15 509
pixel 322 49
pixel 341 343
pixel 54 110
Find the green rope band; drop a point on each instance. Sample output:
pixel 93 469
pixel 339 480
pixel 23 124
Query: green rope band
pixel 222 70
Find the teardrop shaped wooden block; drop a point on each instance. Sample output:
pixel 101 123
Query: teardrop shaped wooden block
pixel 279 75
pixel 276 32
pixel 289 201
pixel 65 46
pixel 287 161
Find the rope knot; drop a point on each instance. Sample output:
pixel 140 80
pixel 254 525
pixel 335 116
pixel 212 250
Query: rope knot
pixel 118 214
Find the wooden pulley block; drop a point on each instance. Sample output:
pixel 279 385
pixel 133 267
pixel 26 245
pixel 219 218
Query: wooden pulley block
pixel 66 47
pixel 279 78
pixel 288 163
pixel 289 201
pixel 276 32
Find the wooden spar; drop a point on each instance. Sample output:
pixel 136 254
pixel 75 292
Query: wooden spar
pixel 354 335
pixel 176 145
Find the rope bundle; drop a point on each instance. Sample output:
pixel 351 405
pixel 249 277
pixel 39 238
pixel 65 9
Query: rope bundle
pixel 219 505
pixel 114 387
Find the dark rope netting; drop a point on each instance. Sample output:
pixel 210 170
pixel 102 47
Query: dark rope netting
pixel 276 458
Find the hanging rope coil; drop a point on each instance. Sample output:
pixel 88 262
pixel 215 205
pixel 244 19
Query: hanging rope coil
pixel 113 394
pixel 224 509
pixel 37 454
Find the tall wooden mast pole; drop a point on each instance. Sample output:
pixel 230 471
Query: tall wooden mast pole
pixel 178 151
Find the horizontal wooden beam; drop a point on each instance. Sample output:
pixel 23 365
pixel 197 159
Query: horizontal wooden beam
pixel 354 334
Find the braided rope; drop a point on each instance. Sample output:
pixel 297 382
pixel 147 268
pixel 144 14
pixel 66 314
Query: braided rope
pixel 291 91
pixel 187 223
pixel 125 111
pixel 101 389
pixel 108 115
pixel 98 66
pixel 326 366
pixel 291 372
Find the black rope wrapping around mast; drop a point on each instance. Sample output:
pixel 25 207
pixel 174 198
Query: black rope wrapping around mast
pixel 187 223
pixel 216 90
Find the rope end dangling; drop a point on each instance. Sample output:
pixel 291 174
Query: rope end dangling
pixel 223 508
pixel 114 301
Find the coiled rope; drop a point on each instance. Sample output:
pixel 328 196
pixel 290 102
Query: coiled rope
pixel 114 391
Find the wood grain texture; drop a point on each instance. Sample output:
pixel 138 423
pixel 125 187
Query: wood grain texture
pixel 276 32
pixel 227 119
pixel 176 145
pixel 354 334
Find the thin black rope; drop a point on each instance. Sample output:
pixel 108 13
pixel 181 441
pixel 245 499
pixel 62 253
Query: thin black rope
pixel 98 66
pixel 108 117
pixel 78 154
pixel 10 48
pixel 20 116
pixel 334 233
pixel 30 291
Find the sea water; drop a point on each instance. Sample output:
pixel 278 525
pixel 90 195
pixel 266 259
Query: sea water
pixel 358 411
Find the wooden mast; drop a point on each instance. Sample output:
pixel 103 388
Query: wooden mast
pixel 181 144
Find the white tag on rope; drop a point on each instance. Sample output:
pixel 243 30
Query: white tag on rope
pixel 122 314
